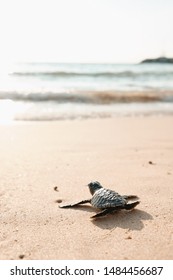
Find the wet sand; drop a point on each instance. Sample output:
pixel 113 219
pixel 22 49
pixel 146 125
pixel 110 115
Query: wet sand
pixel 45 164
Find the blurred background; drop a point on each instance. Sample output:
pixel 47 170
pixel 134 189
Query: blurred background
pixel 67 59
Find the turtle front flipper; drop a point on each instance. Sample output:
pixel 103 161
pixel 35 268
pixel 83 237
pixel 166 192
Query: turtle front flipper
pixel 103 213
pixel 76 204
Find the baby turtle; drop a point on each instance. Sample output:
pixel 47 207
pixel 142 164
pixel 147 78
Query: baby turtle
pixel 107 200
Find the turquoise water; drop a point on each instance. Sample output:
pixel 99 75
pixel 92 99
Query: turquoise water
pixel 50 91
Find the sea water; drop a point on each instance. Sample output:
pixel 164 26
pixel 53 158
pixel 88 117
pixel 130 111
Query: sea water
pixel 53 91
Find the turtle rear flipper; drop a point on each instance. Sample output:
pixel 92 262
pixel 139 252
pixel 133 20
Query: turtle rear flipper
pixel 131 205
pixel 103 213
pixel 76 204
pixel 130 197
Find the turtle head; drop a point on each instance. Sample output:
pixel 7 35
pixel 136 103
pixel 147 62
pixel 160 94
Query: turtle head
pixel 94 186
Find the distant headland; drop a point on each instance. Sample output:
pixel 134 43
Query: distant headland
pixel 161 59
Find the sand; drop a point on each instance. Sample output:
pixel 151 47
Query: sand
pixel 131 155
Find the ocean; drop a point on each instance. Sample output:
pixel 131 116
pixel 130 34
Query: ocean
pixel 54 91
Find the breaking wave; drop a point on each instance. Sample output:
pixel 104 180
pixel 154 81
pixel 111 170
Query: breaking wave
pixel 90 97
pixel 109 74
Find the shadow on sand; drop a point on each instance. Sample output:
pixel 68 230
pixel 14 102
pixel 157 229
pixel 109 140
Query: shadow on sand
pixel 131 220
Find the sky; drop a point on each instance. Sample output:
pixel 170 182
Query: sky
pixel 90 31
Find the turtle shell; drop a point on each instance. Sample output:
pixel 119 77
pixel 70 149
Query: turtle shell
pixel 104 198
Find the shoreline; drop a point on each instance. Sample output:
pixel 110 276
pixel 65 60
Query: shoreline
pixel 51 106
pixel 131 155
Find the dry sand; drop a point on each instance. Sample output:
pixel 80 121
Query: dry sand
pixel 129 155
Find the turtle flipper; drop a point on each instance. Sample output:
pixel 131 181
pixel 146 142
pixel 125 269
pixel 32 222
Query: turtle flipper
pixel 131 205
pixel 103 213
pixel 130 197
pixel 76 204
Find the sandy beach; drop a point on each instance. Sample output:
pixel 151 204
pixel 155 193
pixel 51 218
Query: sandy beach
pixel 131 155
